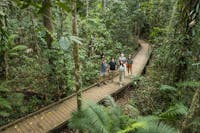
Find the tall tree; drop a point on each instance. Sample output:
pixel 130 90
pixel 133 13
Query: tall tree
pixel 76 55
pixel 186 7
pixel 3 39
pixel 48 24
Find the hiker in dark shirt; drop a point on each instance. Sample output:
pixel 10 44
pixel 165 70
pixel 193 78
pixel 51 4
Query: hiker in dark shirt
pixel 112 69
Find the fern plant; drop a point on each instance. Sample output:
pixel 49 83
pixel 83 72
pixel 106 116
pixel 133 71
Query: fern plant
pixel 4 103
pixel 157 127
pixel 174 111
pixel 167 88
pixel 97 118
pixel 149 124
pixel 193 84
pixel 9 100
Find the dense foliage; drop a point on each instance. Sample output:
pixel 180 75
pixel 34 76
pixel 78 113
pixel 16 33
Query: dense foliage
pixel 36 53
pixel 37 59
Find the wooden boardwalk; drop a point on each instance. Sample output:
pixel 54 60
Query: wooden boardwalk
pixel 56 114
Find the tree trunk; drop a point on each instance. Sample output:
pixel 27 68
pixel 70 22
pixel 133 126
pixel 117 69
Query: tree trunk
pixel 76 55
pixel 6 65
pixel 185 8
pixel 87 8
pixel 104 4
pixel 48 24
pixel 61 20
pixel 194 111
pixel 3 40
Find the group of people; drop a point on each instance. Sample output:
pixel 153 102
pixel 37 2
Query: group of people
pixel 111 68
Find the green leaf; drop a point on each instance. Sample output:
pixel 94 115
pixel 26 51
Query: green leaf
pixel 76 39
pixel 167 87
pixel 14 54
pixel 64 43
pixel 172 112
pixel 18 48
pixel 2 13
pixel 197 8
pixel 4 114
pixel 4 103
pixel 3 89
pixel 134 126
pixel 193 84
pixel 64 6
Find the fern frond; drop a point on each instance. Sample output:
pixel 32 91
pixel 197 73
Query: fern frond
pixel 3 89
pixel 93 119
pixel 192 84
pixel 172 112
pixel 4 114
pixel 167 88
pixel 149 124
pixel 196 122
pixel 157 127
pixel 133 127
pixel 4 103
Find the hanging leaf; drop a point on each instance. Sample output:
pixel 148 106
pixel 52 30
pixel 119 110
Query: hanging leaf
pixel 64 43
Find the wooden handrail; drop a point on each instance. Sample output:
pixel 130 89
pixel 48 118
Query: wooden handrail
pixel 53 104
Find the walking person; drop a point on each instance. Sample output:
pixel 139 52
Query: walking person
pixel 103 72
pixel 122 69
pixel 122 58
pixel 112 69
pixel 129 64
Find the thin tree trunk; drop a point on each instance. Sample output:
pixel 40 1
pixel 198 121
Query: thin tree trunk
pixel 76 56
pixel 3 55
pixel 61 19
pixel 104 4
pixel 36 46
pixel 87 8
pixel 48 24
pixel 6 65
